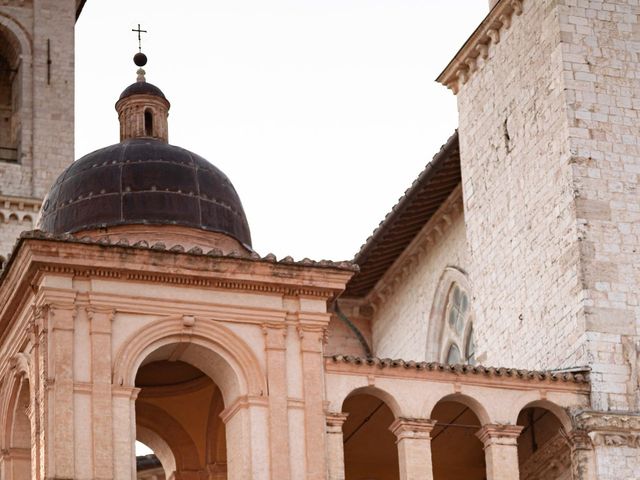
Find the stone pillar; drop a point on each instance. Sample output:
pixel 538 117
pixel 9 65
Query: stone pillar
pixel 247 431
pixel 276 349
pixel 124 432
pixel 501 450
pixel 414 447
pixel 335 445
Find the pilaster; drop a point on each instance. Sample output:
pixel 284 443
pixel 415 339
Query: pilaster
pixel 276 349
pixel 311 348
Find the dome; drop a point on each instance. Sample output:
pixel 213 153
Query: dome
pixel 142 88
pixel 144 181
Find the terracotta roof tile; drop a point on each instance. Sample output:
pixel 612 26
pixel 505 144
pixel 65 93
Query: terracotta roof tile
pixel 405 220
pixel 577 376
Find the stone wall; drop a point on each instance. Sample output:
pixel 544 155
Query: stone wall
pixel 401 321
pixel 519 200
pixel 602 78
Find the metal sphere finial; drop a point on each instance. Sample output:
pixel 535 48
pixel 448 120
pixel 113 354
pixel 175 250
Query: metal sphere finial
pixel 140 59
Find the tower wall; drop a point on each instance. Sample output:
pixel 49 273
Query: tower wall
pixel 550 165
pixel 41 32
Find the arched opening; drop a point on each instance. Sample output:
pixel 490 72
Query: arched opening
pixel 18 463
pixel 148 123
pixel 178 417
pixel 543 451
pixel 149 465
pixel 370 449
pixel 457 454
pixel 9 99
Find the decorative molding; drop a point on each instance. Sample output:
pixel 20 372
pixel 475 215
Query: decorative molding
pixel 498 434
pixel 476 49
pixel 614 439
pixel 609 429
pixel 607 422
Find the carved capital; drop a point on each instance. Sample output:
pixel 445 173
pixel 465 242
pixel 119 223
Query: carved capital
pixel 335 420
pixel 491 435
pixel 412 428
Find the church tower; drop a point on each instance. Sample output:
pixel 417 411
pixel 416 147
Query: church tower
pixel 36 107
pixel 548 97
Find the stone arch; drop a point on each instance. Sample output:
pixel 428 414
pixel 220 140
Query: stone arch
pixel 207 345
pixel 16 56
pixel 183 451
pixel 27 219
pixel 474 405
pixel 160 449
pixel 458 418
pixel 544 449
pixel 380 394
pixel 371 413
pixel 19 373
pixel 17 35
pixel 435 332
pixel 560 413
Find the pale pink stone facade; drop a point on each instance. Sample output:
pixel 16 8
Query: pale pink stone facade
pixel 541 233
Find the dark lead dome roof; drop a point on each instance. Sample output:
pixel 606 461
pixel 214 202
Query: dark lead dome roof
pixel 141 88
pixel 144 181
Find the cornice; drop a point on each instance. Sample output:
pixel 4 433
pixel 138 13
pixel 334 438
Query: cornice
pixel 407 263
pixel 476 49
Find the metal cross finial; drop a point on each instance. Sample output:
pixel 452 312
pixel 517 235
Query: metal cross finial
pixel 139 36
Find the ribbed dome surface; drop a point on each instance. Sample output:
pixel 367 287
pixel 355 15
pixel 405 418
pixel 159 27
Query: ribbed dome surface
pixel 144 181
pixel 141 88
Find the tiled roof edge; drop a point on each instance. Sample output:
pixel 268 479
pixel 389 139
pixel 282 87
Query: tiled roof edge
pixel 397 208
pixel 581 376
pixel 160 246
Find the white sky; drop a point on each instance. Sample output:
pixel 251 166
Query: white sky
pixel 321 112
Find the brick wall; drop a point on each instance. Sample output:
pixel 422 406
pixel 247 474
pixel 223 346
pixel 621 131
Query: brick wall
pixel 401 321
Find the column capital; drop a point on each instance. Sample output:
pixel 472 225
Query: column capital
pixel 404 428
pixel 335 420
pixel 499 434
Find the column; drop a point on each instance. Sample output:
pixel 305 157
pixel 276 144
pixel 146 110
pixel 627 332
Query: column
pixel 275 344
pixel 335 445
pixel 501 450
pixel 414 447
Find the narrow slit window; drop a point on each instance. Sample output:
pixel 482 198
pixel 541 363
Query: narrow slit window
pixel 148 123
